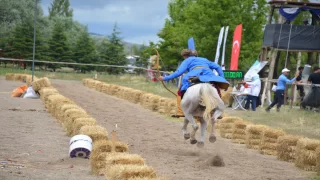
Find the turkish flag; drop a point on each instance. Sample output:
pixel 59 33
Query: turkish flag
pixel 236 47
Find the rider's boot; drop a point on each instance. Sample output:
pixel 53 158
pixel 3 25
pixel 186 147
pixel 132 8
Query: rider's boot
pixel 179 110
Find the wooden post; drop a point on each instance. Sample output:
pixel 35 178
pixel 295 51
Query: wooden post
pixel 292 94
pixel 285 95
pixel 298 65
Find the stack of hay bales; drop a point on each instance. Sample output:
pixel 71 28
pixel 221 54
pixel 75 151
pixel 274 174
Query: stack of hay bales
pixel 136 95
pixel 115 158
pixel 239 131
pixel 163 104
pixel 171 107
pixel 126 172
pixel 95 132
pixel 145 100
pixel 306 156
pixel 254 135
pixel 99 86
pixel 40 83
pixel 153 102
pixel 286 146
pixel 105 88
pixel 269 139
pixel 9 76
pixel 100 150
pixel 226 126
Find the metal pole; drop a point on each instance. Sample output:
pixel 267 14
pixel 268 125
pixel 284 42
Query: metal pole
pixel 34 36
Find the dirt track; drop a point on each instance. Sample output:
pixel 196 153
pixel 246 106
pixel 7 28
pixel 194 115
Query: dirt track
pixel 32 138
pixel 159 141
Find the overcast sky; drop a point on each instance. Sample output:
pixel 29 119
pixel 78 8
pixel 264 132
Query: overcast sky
pixel 138 20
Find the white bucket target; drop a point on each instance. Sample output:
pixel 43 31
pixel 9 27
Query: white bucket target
pixel 80 146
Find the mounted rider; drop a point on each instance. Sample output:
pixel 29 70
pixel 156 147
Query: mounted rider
pixel 200 70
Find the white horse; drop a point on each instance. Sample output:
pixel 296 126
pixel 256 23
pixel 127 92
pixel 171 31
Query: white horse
pixel 203 101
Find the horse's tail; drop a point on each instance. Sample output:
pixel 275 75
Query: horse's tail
pixel 209 99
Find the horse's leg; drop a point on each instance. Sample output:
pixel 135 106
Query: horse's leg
pixel 203 124
pixel 187 111
pixel 185 133
pixel 215 116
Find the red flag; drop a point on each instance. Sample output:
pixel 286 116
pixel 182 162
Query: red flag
pixel 236 47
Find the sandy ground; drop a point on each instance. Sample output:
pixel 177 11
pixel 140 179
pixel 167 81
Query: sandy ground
pixel 160 142
pixel 32 139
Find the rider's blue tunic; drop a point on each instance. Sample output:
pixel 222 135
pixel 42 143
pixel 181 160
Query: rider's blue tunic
pixel 203 69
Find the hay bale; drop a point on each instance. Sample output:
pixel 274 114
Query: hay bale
pixel 254 135
pixel 318 160
pixel 239 131
pixel 70 116
pixel 286 146
pixel 46 91
pixel 226 126
pixel 95 132
pixel 9 76
pixel 306 154
pixel 80 122
pixel 100 150
pixel 60 111
pixel 269 138
pixel 124 172
pixel 119 158
pixel 226 97
pixel 40 83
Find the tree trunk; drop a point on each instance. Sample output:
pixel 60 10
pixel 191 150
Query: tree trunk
pixel 298 65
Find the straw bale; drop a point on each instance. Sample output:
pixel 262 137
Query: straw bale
pixel 70 116
pixel 118 158
pixel 40 83
pixel 238 139
pixel 9 76
pixel 230 119
pixel 60 112
pixel 46 91
pixel 241 124
pixel 226 126
pixel 95 132
pixel 99 86
pixel 124 172
pixel 148 178
pixel 255 129
pixel 286 146
pixel 239 131
pixel 80 122
pixel 273 133
pixel 306 153
pixel 318 160
pixel 226 96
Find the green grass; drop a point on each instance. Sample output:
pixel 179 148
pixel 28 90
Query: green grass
pixel 293 121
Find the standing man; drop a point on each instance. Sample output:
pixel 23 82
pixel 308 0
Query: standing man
pixel 281 87
pixel 314 78
pixel 299 87
pixel 255 87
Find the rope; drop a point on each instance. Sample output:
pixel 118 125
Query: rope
pixel 288 46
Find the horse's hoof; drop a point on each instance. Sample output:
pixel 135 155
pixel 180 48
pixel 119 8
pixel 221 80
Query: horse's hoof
pixel 186 136
pixel 193 141
pixel 212 139
pixel 200 144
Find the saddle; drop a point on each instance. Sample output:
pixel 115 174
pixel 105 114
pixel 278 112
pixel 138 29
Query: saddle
pixel 196 80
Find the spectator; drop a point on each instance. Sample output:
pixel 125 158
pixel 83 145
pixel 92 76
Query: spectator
pixel 314 78
pixel 299 87
pixel 255 87
pixel 282 81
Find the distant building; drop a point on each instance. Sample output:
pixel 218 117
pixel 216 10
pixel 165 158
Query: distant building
pixel 132 59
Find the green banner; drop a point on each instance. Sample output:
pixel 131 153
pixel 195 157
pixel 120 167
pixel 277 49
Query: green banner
pixel 233 74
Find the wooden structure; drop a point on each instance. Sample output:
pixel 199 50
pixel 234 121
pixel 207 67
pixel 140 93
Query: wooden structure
pixel 272 54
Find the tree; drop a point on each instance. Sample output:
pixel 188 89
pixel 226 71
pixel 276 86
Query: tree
pixel 195 19
pixel 112 51
pixel 60 8
pixel 84 51
pixel 59 48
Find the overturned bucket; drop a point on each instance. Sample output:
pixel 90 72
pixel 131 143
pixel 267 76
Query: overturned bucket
pixel 80 146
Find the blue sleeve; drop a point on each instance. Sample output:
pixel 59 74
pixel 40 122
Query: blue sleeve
pixel 285 79
pixel 216 67
pixel 182 68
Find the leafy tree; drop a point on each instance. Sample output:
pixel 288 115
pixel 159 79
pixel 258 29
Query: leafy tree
pixel 196 19
pixel 112 52
pixel 84 51
pixel 59 48
pixel 60 8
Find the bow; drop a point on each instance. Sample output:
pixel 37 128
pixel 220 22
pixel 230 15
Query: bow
pixel 164 85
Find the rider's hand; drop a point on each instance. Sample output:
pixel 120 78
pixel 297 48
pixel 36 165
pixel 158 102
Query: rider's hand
pixel 161 78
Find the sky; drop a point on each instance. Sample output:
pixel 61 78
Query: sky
pixel 139 21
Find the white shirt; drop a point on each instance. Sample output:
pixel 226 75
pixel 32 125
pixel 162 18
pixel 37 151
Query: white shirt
pixel 255 87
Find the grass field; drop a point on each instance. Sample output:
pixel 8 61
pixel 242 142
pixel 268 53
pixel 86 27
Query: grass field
pixel 293 121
